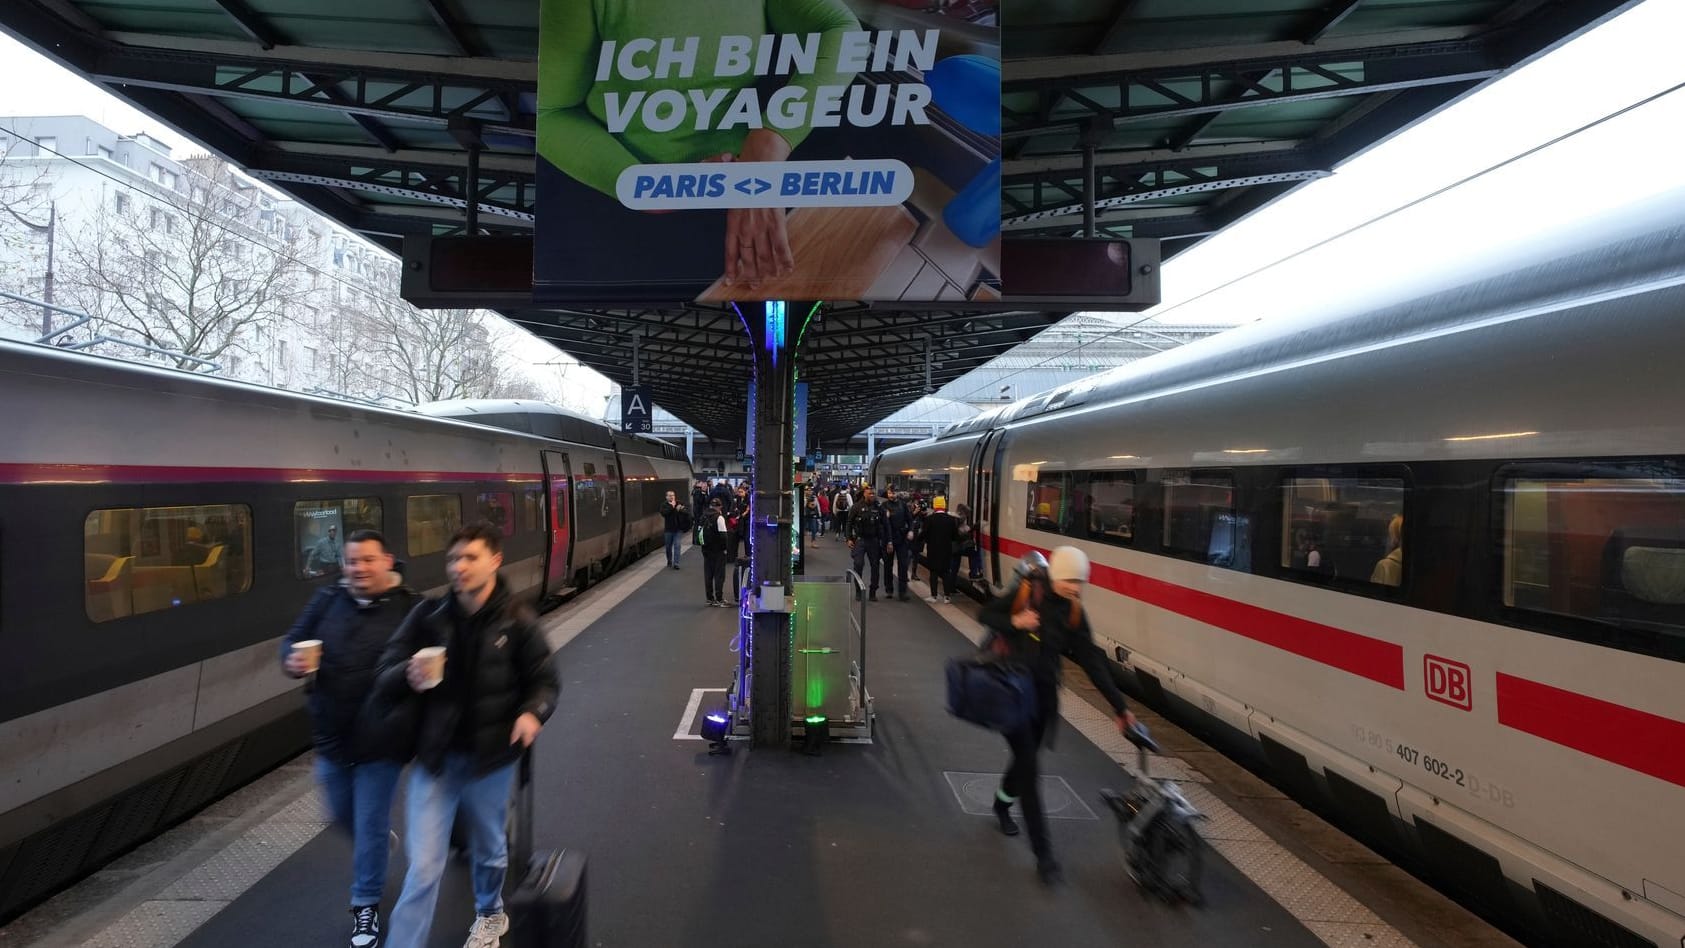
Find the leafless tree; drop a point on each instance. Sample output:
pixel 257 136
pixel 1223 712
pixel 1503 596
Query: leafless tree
pixel 195 273
pixel 430 355
pixel 26 220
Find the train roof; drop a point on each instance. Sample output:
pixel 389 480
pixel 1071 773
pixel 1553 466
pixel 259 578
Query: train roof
pixel 1635 247
pixel 556 423
pixel 546 420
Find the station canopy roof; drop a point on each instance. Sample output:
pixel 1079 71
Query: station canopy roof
pixel 1195 113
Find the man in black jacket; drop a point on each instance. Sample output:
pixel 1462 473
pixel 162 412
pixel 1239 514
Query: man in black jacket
pixel 353 619
pixel 675 522
pixel 497 689
pixel 903 530
pixel 865 537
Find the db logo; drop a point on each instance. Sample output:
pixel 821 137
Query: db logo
pixel 1447 682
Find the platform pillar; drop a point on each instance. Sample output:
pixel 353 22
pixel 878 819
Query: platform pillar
pixel 773 514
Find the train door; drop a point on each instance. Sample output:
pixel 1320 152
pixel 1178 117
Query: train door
pixel 986 464
pixel 558 484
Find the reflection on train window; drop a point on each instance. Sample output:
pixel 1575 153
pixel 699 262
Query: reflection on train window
pixel 921 486
pixel 1200 521
pixel 320 528
pixel 532 509
pixel 1106 510
pixel 1608 550
pixel 1049 494
pixel 145 559
pixel 1344 527
pixel 431 520
pixel 498 509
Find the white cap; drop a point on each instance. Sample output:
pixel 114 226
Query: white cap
pixel 1068 562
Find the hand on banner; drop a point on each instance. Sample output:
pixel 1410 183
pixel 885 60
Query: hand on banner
pixel 757 244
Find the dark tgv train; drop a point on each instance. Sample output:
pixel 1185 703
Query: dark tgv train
pixel 141 679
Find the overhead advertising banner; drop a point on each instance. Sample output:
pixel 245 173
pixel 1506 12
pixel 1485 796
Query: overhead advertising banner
pixel 745 150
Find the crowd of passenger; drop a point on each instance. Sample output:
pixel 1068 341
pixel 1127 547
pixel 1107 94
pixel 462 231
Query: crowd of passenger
pixel 458 686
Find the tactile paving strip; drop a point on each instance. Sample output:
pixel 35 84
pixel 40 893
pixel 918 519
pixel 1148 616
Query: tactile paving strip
pixel 1328 911
pixel 155 924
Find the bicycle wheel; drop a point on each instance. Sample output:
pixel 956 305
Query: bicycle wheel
pixel 1176 854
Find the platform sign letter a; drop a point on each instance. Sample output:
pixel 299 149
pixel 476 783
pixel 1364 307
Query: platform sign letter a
pixel 637 412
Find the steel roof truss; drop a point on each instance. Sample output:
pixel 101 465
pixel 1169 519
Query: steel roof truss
pixel 1304 77
pixel 322 86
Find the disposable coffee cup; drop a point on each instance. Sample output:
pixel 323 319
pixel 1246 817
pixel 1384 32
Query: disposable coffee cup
pixel 311 651
pixel 433 663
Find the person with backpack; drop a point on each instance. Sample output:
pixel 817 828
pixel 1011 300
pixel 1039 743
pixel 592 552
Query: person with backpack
pixel 1038 625
pixel 840 506
pixel 713 531
pixel 339 639
pixel 675 521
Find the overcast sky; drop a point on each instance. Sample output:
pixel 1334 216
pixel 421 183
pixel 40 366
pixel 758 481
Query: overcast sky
pixel 31 84
pixel 1621 62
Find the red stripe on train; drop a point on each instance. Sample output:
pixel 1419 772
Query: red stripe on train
pixel 1636 740
pixel 1375 659
pixel 18 473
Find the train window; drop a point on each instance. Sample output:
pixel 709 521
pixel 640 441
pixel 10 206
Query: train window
pixel 1200 521
pixel 532 509
pixel 1106 501
pixel 431 520
pixel 498 509
pixel 146 559
pixel 1048 503
pixel 1344 528
pixel 1608 551
pixel 320 528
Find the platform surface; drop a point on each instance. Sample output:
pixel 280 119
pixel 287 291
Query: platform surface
pixel 879 845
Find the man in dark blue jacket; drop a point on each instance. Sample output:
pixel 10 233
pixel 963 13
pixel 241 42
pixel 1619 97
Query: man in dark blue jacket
pixel 353 620
pixel 477 716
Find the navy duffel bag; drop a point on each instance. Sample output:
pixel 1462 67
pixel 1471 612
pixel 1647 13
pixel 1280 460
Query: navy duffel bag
pixel 999 695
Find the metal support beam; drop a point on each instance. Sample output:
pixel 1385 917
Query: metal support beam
pixel 1089 190
pixel 1309 75
pixel 1327 18
pixel 451 28
pixel 471 201
pixel 772 518
pixel 250 23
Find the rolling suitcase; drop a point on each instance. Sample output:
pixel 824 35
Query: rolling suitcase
pixel 544 893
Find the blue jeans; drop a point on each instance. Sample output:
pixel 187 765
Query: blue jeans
pixel 673 537
pixel 434 802
pixel 359 798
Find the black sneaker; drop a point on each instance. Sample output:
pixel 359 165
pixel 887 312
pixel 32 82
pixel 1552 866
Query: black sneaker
pixel 1003 813
pixel 365 926
pixel 873 597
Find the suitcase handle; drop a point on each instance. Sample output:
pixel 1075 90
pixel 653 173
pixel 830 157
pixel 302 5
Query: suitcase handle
pixel 520 836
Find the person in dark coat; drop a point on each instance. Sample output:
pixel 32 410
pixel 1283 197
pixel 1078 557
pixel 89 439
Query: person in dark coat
pixel 940 530
pixel 675 521
pixel 715 538
pixel 1038 625
pixel 353 619
pixel 497 689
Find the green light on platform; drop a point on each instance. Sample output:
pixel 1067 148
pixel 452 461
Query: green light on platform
pixel 816 719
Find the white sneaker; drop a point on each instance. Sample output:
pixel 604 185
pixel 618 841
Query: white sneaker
pixel 947 600
pixel 488 931
pixel 930 599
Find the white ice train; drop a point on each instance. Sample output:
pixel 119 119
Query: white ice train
pixel 1425 562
